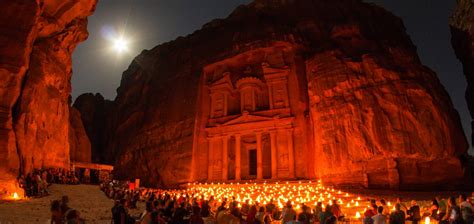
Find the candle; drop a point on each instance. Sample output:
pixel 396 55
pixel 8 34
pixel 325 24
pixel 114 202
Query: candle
pixel 357 215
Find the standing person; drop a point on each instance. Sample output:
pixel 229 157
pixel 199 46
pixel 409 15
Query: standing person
pixel 179 214
pixel 449 210
pixel 379 218
pixel 260 215
pixel 414 213
pixel 196 217
pixel 397 216
pixel 336 210
pixel 288 213
pixel 386 209
pixel 442 208
pixel 74 217
pixel 325 216
pixel 466 209
pixel 64 204
pixel 119 212
pixel 222 207
pixel 305 216
pixel 205 210
pixel 56 215
pixel 270 207
pixel 456 217
pixel 369 213
pixel 434 208
pixel 402 206
pixel 251 214
pixel 318 209
pixel 245 207
pixel 145 217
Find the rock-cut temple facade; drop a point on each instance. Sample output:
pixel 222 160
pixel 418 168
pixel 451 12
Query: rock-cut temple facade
pixel 253 119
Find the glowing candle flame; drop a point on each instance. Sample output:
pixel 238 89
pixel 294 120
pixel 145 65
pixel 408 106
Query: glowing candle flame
pixel 427 220
pixel 15 196
pixel 357 215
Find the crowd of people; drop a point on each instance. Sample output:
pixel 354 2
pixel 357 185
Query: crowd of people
pixel 35 184
pixel 172 207
pixel 444 211
pixel 62 213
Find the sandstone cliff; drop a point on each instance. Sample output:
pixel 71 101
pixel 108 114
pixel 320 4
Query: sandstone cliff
pixel 38 38
pixel 96 114
pixel 462 40
pixel 379 118
pixel 79 144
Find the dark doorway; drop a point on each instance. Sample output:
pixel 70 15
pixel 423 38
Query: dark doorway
pixel 95 179
pixel 252 162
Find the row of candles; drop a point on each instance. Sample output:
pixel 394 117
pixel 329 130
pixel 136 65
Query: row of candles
pixel 298 193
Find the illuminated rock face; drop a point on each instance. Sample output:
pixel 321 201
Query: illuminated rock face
pixel 80 146
pixel 303 89
pixel 37 40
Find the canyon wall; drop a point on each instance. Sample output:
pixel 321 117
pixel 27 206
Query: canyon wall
pixel 378 117
pixel 462 40
pixel 97 114
pixel 37 40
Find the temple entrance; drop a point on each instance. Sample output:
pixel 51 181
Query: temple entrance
pixel 252 162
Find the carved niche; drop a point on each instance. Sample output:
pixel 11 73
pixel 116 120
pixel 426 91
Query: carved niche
pixel 251 93
pixel 277 82
pixel 220 93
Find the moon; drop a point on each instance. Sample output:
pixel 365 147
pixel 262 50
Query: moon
pixel 120 45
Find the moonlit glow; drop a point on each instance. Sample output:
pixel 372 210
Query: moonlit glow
pixel 120 45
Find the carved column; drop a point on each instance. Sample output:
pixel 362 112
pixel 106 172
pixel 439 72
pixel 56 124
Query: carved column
pixel 259 157
pixel 291 154
pixel 237 157
pixel 210 161
pixel 274 154
pixel 270 95
pixel 225 156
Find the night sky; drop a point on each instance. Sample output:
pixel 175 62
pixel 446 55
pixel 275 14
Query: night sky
pixel 147 23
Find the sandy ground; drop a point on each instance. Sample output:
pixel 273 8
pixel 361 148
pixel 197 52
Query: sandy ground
pixel 92 204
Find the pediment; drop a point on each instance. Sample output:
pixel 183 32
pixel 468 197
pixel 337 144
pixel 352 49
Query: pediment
pixel 224 81
pixel 247 118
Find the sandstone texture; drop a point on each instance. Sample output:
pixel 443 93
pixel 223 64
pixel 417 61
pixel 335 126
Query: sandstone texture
pixel 362 110
pixel 79 144
pixel 37 40
pixel 96 114
pixel 462 40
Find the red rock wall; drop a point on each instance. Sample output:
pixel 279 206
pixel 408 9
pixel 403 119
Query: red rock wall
pixel 373 124
pixel 96 115
pixel 379 117
pixel 37 40
pixel 80 146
